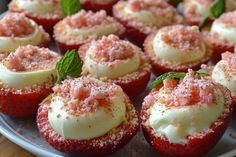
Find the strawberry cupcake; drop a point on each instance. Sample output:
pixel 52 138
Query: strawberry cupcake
pixel 195 10
pixel 186 117
pixel 26 78
pixel 223 35
pixel 224 73
pixel 85 115
pixel 96 5
pixel 118 61
pixel 44 12
pixel 17 30
pixel 83 27
pixel 176 48
pixel 142 17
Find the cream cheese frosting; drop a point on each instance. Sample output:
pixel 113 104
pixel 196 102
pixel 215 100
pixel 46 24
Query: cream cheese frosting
pixel 38 6
pixel 167 52
pixel 28 66
pixel 224 74
pixel 91 124
pixel 224 31
pixel 157 13
pixel 115 68
pixel 88 33
pixel 177 123
pixel 8 44
pixel 20 80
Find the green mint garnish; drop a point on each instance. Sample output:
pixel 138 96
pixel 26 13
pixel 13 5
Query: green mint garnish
pixel 175 75
pixel 70 7
pixel 216 10
pixel 69 65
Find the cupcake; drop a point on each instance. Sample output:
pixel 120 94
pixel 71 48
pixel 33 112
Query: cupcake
pixel 176 48
pixel 97 5
pixel 118 61
pixel 142 17
pixel 17 30
pixel 44 12
pixel 84 27
pixel 223 35
pixel 85 115
pixel 186 117
pixel 195 10
pixel 224 73
pixel 26 78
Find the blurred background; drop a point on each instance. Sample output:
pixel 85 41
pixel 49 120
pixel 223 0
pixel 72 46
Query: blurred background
pixel 3 5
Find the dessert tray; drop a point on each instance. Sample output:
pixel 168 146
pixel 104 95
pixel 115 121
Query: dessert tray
pixel 24 132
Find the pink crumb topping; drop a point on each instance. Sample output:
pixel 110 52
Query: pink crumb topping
pixel 15 25
pixel 185 38
pixel 95 1
pixel 191 90
pixel 151 5
pixel 229 18
pixel 230 58
pixel 88 19
pixel 84 95
pixel 205 1
pixel 31 58
pixel 111 48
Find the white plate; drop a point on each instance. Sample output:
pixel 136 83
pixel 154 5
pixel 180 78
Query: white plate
pixel 24 133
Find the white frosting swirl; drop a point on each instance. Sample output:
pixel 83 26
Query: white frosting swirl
pixel 176 123
pixel 20 80
pixel 224 31
pixel 111 70
pixel 225 76
pixel 8 44
pixel 38 6
pixel 169 53
pixel 87 125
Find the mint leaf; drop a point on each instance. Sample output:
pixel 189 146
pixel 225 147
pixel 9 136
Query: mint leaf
pixel 177 75
pixel 162 77
pixel 70 7
pixel 202 72
pixel 69 65
pixel 216 10
pixel 203 22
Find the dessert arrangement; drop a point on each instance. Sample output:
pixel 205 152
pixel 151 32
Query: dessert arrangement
pixel 82 96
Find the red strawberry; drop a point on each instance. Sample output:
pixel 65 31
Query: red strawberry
pixel 220 48
pixel 21 104
pixel 134 86
pixel 196 145
pixel 105 144
pixel 47 23
pixel 91 5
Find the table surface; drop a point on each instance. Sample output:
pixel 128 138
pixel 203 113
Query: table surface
pixel 9 149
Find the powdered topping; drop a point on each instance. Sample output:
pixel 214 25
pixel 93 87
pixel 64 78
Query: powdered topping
pixel 229 18
pixel 88 19
pixel 154 6
pixel 111 48
pixel 190 91
pixel 15 25
pixel 84 95
pixel 31 58
pixel 206 1
pixel 46 1
pixel 185 38
pixel 230 58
